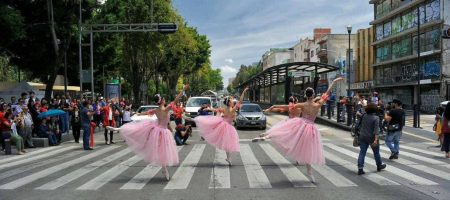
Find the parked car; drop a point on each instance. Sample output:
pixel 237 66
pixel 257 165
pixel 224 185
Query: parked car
pixel 192 106
pixel 250 115
pixel 144 109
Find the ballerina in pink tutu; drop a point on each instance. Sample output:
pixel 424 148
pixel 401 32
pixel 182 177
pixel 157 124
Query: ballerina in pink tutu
pixel 219 131
pixel 152 139
pixel 298 137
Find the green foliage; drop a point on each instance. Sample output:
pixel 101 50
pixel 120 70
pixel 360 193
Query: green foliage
pixel 245 73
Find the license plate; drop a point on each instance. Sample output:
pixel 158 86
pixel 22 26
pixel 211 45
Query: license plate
pixel 252 122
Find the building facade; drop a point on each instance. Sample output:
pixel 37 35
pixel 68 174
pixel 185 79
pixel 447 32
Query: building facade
pixel 364 58
pixel 403 60
pixel 333 50
pixel 276 56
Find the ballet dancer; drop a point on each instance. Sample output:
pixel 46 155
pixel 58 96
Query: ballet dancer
pixel 298 138
pixel 219 131
pixel 152 139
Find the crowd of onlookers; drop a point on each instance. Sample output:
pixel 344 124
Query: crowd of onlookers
pixel 19 121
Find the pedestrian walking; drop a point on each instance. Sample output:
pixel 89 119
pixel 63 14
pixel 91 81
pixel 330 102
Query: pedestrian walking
pixel 396 120
pixel 437 128
pixel 369 136
pixel 76 124
pixel 299 138
pixel 152 140
pixel 219 131
pixel 446 131
pixel 85 124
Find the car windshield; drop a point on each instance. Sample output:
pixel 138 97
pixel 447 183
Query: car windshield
pixel 197 102
pixel 250 108
pixel 145 109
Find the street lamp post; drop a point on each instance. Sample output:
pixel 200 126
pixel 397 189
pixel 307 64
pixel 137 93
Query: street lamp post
pixel 349 107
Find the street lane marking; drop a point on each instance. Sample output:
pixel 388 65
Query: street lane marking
pixel 109 175
pixel 418 136
pixel 33 158
pixel 295 176
pixel 415 156
pixel 255 174
pixel 184 173
pixel 143 177
pixel 373 177
pixel 21 169
pixel 422 151
pixel 426 169
pixel 52 170
pixel 394 170
pixel 29 154
pixel 333 176
pixel 82 171
pixel 220 174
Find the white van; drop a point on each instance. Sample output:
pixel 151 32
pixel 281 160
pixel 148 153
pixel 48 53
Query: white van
pixel 193 105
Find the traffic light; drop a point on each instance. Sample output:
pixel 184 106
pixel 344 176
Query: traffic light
pixel 167 27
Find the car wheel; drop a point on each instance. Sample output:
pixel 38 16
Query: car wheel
pixel 263 128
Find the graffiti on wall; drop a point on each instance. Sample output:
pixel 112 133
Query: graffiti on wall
pixel 430 100
pixel 408 72
pixel 431 69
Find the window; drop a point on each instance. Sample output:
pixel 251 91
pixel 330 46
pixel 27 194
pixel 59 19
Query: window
pixel 429 41
pixel 379 32
pixel 396 25
pixel 408 20
pixel 401 48
pixel 432 11
pixel 383 53
pixel 312 52
pixel 387 29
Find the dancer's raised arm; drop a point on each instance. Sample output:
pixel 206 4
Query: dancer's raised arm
pixel 241 98
pixel 185 88
pixel 325 95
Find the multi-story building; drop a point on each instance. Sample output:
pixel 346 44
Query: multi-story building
pixel 397 46
pixel 276 56
pixel 333 50
pixel 364 58
pixel 303 51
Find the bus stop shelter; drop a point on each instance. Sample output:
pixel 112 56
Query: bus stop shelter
pixel 276 84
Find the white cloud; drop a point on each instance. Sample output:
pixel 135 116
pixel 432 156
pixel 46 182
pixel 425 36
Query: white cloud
pixel 229 60
pixel 227 72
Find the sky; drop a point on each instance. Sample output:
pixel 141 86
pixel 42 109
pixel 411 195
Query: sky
pixel 240 31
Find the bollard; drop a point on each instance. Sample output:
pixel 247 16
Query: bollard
pixel 7 146
pixel 329 109
pixel 349 115
pixel 339 110
pixel 322 110
pixel 415 116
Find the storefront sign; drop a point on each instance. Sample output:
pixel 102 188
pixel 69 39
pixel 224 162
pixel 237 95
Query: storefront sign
pixel 361 85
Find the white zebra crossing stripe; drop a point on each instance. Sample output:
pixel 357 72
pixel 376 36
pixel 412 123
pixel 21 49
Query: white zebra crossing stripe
pixel 143 177
pixel 46 172
pixel 396 171
pixel 415 156
pixel 33 158
pixel 110 174
pixel 418 136
pixel 61 181
pixel 422 151
pixel 333 176
pixel 29 154
pixel 291 172
pixel 184 173
pixel 380 180
pixel 21 169
pixel 426 169
pixel 255 174
pixel 220 175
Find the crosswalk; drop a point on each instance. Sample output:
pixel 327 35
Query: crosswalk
pixel 64 167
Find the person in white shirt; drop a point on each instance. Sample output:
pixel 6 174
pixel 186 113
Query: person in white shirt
pixel 126 115
pixel 26 127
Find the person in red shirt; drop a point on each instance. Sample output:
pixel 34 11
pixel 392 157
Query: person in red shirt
pixel 178 114
pixel 108 120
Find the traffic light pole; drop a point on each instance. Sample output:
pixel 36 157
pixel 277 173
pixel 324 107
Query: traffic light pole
pixel 90 29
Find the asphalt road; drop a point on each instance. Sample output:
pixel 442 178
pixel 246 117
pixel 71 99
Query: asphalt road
pixel 259 171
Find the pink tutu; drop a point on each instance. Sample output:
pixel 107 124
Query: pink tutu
pixel 218 132
pixel 299 139
pixel 153 143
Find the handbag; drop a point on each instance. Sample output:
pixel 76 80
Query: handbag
pixel 393 127
pixel 356 141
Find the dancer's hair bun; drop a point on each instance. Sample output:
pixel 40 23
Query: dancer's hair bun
pixel 309 92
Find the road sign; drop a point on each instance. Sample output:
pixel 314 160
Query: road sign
pixel 299 74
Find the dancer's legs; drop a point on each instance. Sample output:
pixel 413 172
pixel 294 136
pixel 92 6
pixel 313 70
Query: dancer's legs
pixel 228 159
pixel 310 173
pixel 165 172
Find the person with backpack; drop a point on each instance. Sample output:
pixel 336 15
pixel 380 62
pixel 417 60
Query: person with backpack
pixel 446 131
pixel 368 136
